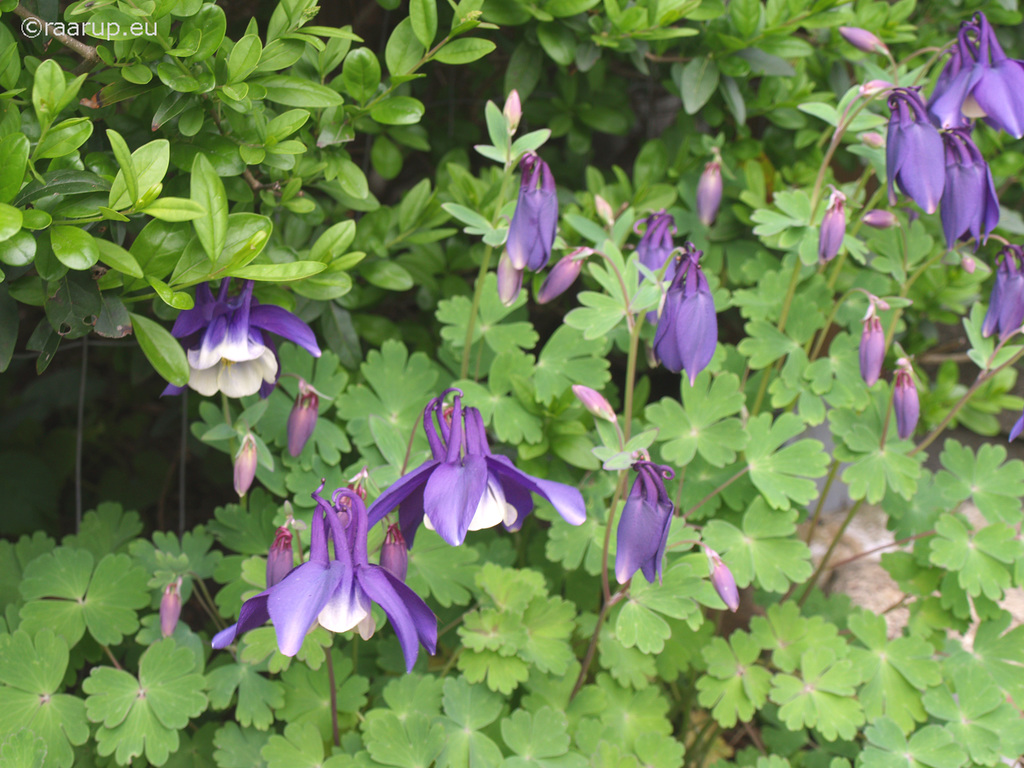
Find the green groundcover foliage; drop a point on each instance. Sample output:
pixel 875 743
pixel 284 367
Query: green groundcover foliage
pixel 462 384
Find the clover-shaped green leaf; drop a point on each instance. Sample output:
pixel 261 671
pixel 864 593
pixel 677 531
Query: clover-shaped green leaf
pixel 301 746
pixel 307 695
pixel 105 529
pixel 930 747
pixel 982 561
pixel 735 686
pixel 822 697
pixel 540 739
pixel 239 747
pixel 640 620
pixel 410 741
pixel 257 696
pixel 996 488
pixel 781 471
pixel 493 326
pixel 468 709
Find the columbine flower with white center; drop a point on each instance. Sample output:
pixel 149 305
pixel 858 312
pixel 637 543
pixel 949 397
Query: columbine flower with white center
pixel 465 487
pixel 225 342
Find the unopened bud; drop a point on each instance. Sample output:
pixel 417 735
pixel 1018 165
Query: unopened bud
pixel 871 87
pixel 594 402
pixel 280 559
pixel 879 219
pixel 833 228
pixel 873 139
pixel 510 281
pixel 604 210
pixel 968 263
pixel 709 192
pixel 170 607
pixel 513 111
pixel 302 419
pixel 863 40
pixel 723 581
pixel 905 402
pixel 245 465
pixel 394 555
pixel 563 275
pixel 872 350
pixel 357 484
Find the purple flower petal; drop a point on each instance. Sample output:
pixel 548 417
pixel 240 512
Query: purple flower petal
pixel 452 494
pixel 253 614
pixel 295 603
pixel 286 325
pixel 399 491
pixel 567 501
pixel 413 621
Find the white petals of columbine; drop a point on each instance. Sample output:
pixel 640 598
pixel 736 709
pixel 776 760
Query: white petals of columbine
pixel 234 379
pixel 347 611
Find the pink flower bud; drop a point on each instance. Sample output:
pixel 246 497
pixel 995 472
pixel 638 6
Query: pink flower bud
pixel 604 210
pixel 872 350
pixel 833 228
pixel 905 402
pixel 170 607
pixel 863 40
pixel 723 581
pixel 510 281
pixel 968 263
pixel 709 193
pixel 302 419
pixel 873 139
pixel 245 465
pixel 280 560
pixel 594 402
pixel 563 275
pixel 513 111
pixel 871 87
pixel 394 555
pixel 880 219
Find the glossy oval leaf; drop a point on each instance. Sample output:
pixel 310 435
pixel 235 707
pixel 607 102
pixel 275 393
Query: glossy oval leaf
pixel 163 351
pixel 74 247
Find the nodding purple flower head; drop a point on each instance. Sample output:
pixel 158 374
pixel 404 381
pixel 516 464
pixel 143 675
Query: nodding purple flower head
pixel 337 592
pixel 594 402
pixel 905 403
pixel 1006 303
pixel 980 81
pixel 871 87
pixel 302 419
pixel 863 40
pixel 563 275
pixel 280 559
pixel 170 608
pixel 643 527
pixel 723 581
pixel 709 191
pixel 225 342
pixel 872 347
pixel 465 487
pixel 245 464
pixel 880 219
pixel 394 555
pixel 912 147
pixel 656 244
pixel 531 232
pixel 687 332
pixel 969 204
pixel 510 281
pixel 833 227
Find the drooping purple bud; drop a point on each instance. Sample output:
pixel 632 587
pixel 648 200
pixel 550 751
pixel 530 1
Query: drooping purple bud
pixel 656 244
pixel 531 232
pixel 245 464
pixel 833 228
pixel 394 555
pixel 709 192
pixel 594 402
pixel 871 87
pixel 302 419
pixel 1006 303
pixel 873 139
pixel 513 111
pixel 912 148
pixel 969 203
pixel 905 402
pixel 863 40
pixel 510 281
pixel 872 349
pixel 880 219
pixel 170 607
pixel 722 580
pixel 643 528
pixel 280 559
pixel 687 332
pixel 563 275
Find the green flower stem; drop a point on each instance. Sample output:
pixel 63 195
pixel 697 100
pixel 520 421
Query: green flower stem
pixel 983 376
pixel 408 448
pixel 828 553
pixel 821 501
pixel 111 657
pixel 717 491
pixel 206 601
pixel 481 274
pixel 701 741
pixel 592 647
pixel 334 697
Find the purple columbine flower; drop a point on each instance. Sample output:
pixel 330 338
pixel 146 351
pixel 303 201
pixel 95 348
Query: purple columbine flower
pixel 687 331
pixel 225 344
pixel 709 191
pixel 394 555
pixel 465 487
pixel 969 203
pixel 280 560
pixel 723 581
pixel 1006 303
pixel 532 230
pixel 656 244
pixel 980 81
pixel 863 40
pixel 833 227
pixel 912 148
pixel 563 275
pixel 905 402
pixel 338 592
pixel 872 348
pixel 643 527
pixel 302 419
pixel 170 608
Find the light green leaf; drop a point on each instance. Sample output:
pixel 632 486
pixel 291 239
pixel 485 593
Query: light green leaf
pixel 780 471
pixel 149 163
pixel 163 351
pixel 208 193
pixel 74 247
